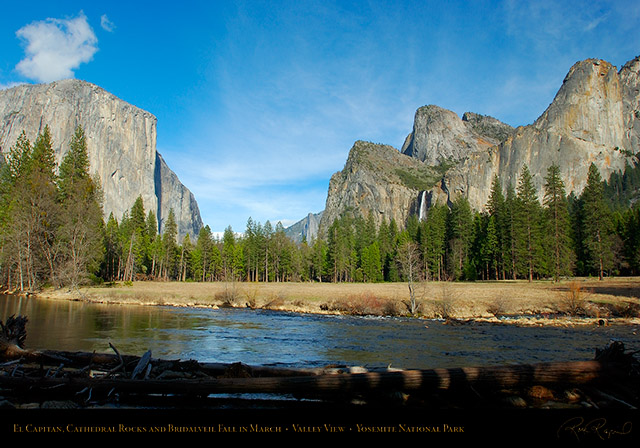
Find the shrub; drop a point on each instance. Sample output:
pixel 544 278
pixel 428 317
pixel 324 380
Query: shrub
pixel 627 309
pixel 228 297
pixel 498 307
pixel 363 305
pixel 575 299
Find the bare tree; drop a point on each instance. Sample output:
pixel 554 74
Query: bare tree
pixel 409 259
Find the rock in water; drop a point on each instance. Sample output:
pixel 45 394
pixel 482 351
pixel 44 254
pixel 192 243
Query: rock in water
pixel 121 141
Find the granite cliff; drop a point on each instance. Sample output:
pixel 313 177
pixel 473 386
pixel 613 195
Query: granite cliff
pixel 594 118
pixel 377 179
pixel 439 136
pixel 305 229
pixel 121 141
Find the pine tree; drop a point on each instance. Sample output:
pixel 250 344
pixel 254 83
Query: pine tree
pixel 318 259
pixel 434 241
pixel 204 251
pixel 35 214
pixel 14 254
pixel 170 247
pixel 371 265
pixel 112 248
pixel 80 234
pixel 597 224
pixel 557 223
pixel 75 165
pixel 186 250
pixel 527 218
pixel 498 210
pixel 140 237
pixel 491 248
pixel 511 255
pixel 460 227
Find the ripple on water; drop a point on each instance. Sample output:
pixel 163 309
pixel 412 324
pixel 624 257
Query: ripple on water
pixel 300 340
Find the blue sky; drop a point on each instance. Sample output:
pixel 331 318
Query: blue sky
pixel 259 102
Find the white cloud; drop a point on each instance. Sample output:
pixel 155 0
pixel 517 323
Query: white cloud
pixel 106 24
pixel 56 47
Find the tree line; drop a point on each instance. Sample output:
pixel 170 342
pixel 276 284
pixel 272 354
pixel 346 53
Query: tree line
pixel 52 231
pixel 50 217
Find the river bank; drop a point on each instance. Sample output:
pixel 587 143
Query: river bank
pixel 580 301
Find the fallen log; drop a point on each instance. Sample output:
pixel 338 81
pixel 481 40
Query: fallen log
pixel 502 377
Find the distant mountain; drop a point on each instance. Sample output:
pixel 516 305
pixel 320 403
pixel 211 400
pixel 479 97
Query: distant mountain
pixel 121 141
pixel 306 228
pixel 594 118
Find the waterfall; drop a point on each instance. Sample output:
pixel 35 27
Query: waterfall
pixel 422 210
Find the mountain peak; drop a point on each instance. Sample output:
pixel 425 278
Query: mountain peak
pixel 121 142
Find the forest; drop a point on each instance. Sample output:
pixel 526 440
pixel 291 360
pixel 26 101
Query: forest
pixel 52 232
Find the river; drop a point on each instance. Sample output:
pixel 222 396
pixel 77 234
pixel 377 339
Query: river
pixel 272 338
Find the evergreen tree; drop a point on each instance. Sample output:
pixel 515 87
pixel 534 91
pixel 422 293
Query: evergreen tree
pixel 14 254
pixel 140 236
pixel 204 254
pixel 112 250
pixel 460 228
pixel 597 224
pixel 232 255
pixel 251 250
pixel 340 244
pixel 576 231
pixel 557 223
pixel 318 259
pixel 185 258
pixel 528 221
pixel 75 165
pixel 498 211
pixel 371 264
pixel 631 238
pixel 434 241
pixel 510 229
pixel 80 234
pixel 491 249
pixel 35 213
pixel 266 252
pixel 170 247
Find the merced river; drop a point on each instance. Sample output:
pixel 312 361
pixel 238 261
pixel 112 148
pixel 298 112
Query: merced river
pixel 282 339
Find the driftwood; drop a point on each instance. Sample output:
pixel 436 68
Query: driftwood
pixel 611 379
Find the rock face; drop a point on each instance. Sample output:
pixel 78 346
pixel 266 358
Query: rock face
pixel 591 120
pixel 121 141
pixel 594 118
pixel 630 78
pixel 439 136
pixel 380 180
pixel 305 229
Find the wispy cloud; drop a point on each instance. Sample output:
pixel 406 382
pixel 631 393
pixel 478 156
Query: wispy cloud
pixel 56 47
pixel 107 24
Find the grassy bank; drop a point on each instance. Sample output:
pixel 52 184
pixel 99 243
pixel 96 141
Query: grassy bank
pixel 538 302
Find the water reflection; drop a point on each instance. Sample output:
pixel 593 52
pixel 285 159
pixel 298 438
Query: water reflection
pixel 276 338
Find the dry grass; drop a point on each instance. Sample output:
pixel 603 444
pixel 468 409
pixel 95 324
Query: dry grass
pixel 617 297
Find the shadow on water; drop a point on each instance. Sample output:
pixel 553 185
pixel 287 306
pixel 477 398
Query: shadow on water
pixel 258 337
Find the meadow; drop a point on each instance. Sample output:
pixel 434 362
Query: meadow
pixel 578 300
